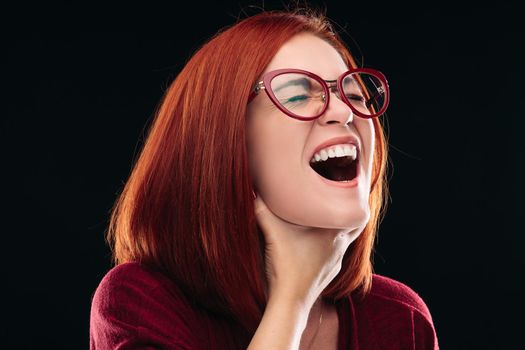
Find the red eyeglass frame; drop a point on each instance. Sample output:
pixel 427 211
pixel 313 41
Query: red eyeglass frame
pixel 267 78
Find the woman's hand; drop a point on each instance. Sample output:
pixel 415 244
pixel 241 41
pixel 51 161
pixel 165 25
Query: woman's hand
pixel 300 261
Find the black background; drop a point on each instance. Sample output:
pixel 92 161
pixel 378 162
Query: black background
pixel 81 84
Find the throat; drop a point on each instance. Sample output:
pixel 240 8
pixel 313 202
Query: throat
pixel 325 335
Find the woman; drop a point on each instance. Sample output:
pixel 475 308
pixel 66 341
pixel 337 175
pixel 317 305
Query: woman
pixel 201 264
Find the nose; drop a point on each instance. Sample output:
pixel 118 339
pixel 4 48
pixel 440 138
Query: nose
pixel 336 111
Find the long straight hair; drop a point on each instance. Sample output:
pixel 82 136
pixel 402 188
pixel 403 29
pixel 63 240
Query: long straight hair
pixel 187 206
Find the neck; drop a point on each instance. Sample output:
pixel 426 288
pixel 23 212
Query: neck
pixel 313 326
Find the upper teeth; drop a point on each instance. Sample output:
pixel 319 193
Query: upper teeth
pixel 342 150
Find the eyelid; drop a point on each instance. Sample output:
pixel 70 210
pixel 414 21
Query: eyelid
pixel 295 82
pixel 360 97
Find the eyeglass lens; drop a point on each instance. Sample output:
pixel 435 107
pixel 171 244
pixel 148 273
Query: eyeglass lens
pixel 303 95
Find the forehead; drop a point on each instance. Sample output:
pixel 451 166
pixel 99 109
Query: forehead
pixel 309 52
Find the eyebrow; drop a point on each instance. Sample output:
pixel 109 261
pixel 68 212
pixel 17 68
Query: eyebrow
pixel 350 81
pixel 354 84
pixel 298 81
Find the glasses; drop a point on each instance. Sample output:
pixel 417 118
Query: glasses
pixel 305 96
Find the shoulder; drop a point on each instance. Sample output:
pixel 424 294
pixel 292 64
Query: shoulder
pixel 129 283
pixel 398 293
pixel 134 304
pixel 393 315
pixel 129 274
pixel 133 284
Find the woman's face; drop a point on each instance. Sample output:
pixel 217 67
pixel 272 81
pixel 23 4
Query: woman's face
pixel 280 148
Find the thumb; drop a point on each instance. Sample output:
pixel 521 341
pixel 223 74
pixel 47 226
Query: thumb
pixel 266 219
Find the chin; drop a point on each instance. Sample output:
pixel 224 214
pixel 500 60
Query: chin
pixel 331 215
pixel 345 220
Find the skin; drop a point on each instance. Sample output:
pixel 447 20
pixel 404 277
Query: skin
pixel 308 225
pixel 280 147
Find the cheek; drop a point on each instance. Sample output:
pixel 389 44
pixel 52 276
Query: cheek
pixel 256 155
pixel 256 133
pixel 273 160
pixel 263 147
pixel 367 132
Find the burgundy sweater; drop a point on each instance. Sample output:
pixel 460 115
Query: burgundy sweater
pixel 135 307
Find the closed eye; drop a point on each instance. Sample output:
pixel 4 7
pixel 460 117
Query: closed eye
pixel 297 98
pixel 354 97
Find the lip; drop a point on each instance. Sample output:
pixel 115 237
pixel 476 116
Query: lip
pixel 349 139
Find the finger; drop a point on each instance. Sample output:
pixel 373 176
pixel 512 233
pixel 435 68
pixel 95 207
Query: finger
pixel 265 217
pixel 259 206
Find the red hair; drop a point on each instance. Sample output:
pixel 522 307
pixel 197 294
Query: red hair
pixel 187 206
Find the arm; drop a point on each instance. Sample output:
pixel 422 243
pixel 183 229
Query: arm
pixel 282 325
pixel 300 263
pixel 425 337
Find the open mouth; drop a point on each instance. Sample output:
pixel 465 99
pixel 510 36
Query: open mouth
pixel 337 169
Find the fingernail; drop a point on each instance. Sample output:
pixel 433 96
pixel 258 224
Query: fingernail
pixel 254 195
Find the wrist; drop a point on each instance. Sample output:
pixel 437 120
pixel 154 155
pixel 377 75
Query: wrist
pixel 291 299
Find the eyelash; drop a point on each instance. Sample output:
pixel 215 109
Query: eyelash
pixel 300 98
pixel 355 97
pixel 294 99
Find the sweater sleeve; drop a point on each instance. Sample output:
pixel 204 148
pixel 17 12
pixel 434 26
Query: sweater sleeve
pixel 397 308
pixel 424 333
pixel 131 309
